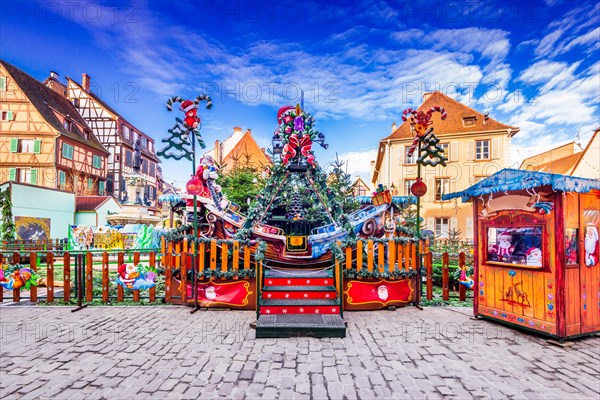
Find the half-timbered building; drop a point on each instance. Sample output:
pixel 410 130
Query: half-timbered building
pixel 43 139
pixel 118 135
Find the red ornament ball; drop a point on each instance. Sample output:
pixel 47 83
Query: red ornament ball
pixel 194 186
pixel 419 188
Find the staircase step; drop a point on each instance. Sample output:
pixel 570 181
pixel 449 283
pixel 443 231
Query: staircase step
pixel 298 302
pixel 298 281
pixel 299 310
pixel 315 325
pixel 293 293
pixel 298 273
pixel 291 288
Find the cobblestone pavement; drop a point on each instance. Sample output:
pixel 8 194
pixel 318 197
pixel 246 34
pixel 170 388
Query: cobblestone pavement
pixel 164 352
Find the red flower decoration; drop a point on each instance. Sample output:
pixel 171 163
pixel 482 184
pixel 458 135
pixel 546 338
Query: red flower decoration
pixel 512 317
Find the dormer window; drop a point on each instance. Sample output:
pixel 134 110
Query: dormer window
pixel 144 142
pixel 469 121
pixel 68 125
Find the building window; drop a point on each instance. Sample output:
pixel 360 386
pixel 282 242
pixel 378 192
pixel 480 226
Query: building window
pixel 482 150
pixel 62 179
pixel 442 186
pixel 24 175
pixel 407 185
pixel 97 162
pixel 67 125
pixel 469 121
pixel 25 146
pixel 125 132
pixel 446 148
pixel 2 84
pixel 152 169
pixel 410 159
pixel 101 188
pixel 128 158
pixel 76 102
pixel 67 151
pixel 7 115
pixel 442 227
pixel 90 183
pixel 144 142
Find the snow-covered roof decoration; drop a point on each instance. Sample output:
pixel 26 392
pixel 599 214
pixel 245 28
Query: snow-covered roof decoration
pixel 516 179
pixel 398 200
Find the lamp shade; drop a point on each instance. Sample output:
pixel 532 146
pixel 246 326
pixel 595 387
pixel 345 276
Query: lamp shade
pixel 419 188
pixel 194 186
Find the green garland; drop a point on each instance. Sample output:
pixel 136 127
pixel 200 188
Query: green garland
pixel 365 273
pixel 259 254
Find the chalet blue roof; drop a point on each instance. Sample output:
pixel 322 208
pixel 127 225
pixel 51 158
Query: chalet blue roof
pixel 516 179
pixel 398 200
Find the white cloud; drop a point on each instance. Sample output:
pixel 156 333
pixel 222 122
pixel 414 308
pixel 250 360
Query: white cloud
pixel 358 163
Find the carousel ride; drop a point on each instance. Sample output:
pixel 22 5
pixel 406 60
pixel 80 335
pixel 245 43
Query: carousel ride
pixel 297 215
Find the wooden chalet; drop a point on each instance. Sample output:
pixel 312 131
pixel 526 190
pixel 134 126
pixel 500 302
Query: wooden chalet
pixel 118 135
pixel 44 140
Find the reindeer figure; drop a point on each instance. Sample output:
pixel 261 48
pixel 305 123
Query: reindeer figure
pixel 509 293
pixel 521 294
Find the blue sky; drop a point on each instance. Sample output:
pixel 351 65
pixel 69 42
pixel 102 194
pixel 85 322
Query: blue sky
pixel 530 64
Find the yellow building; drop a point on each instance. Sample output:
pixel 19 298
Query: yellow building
pixel 476 146
pixel 43 139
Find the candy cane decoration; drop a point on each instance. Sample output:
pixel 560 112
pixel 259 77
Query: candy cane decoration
pixel 174 99
pixel 422 120
pixel 202 98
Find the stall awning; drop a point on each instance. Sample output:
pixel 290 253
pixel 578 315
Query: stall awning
pixel 398 200
pixel 517 179
pixel 170 198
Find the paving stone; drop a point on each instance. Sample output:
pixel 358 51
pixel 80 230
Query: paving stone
pixel 183 356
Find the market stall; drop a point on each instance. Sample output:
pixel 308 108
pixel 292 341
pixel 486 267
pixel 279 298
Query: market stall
pixel 536 259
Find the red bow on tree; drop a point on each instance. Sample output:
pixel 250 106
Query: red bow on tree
pixel 304 144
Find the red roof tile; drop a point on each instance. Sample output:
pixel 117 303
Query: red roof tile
pixel 89 203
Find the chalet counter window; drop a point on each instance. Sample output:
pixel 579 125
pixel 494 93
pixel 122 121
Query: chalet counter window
pixel 522 246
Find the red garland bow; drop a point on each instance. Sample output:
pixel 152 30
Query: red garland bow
pixel 304 144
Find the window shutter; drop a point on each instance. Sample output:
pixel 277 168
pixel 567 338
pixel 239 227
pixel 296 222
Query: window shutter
pixel 10 116
pixel 453 223
pixel 430 195
pixel 33 177
pixel 469 235
pixel 470 150
pixel 101 187
pixel 2 83
pixel 431 224
pixel 37 146
pixel 401 154
pixel 453 151
pixel 62 178
pixel 495 148
pixel 453 185
pixel 14 145
pixel 12 174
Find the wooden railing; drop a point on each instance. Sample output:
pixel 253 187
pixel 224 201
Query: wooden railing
pixel 428 264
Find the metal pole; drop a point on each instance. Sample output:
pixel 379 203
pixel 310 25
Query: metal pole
pixel 195 253
pixel 418 260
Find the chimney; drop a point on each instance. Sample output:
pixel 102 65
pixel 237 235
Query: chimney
pixel 394 127
pixel 55 84
pixel 249 131
pixel 85 82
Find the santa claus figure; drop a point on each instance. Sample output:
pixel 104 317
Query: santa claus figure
pixel 591 246
pixel 534 256
pixel 127 274
pixel 504 248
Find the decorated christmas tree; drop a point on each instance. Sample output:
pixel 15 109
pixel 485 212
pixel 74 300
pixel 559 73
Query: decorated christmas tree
pixel 7 226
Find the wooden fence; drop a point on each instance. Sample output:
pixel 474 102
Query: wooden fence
pixel 88 276
pixel 78 275
pixel 428 265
